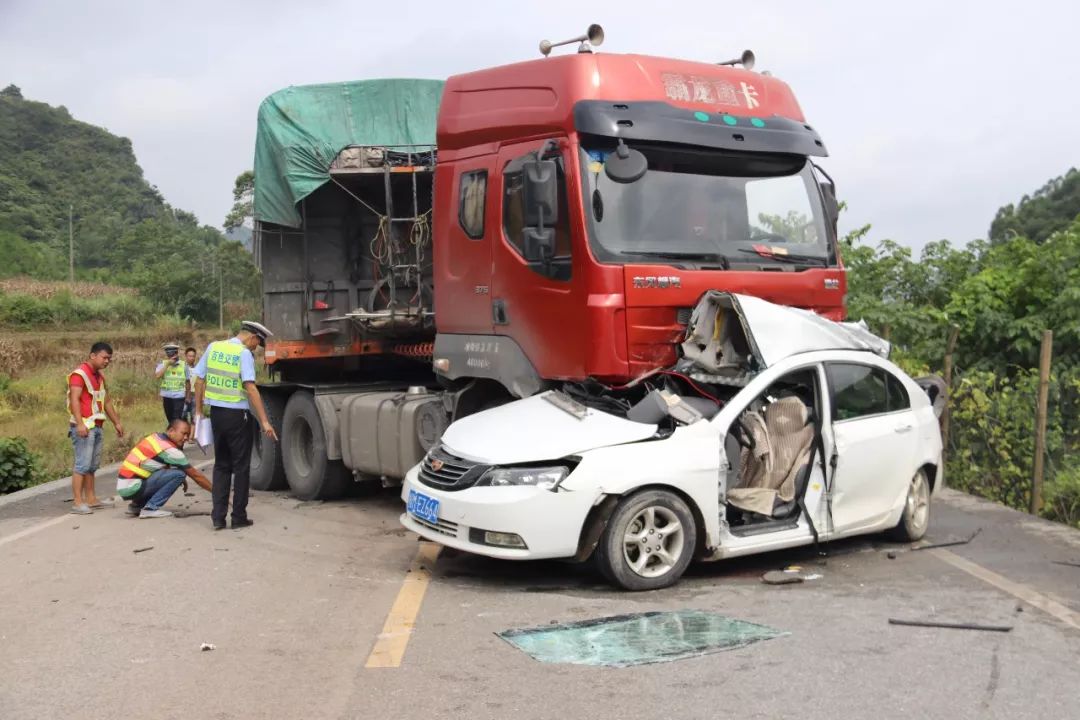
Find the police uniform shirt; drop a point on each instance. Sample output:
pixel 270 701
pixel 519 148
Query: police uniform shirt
pixel 247 374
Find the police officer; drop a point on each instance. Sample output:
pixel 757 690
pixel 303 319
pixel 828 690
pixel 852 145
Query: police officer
pixel 225 378
pixel 175 388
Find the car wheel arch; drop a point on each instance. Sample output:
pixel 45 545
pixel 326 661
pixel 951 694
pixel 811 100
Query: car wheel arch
pixel 601 513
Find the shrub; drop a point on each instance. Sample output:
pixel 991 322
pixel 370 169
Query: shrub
pixel 1061 498
pixel 19 468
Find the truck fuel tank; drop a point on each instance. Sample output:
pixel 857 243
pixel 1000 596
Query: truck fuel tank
pixel 386 433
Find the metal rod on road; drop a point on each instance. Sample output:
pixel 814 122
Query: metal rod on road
pixel 1040 421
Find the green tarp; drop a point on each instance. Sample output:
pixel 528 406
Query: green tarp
pixel 301 130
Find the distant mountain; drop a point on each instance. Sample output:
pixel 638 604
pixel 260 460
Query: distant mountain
pixel 125 233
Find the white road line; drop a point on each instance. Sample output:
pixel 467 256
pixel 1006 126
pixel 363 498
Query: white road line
pixel 1017 590
pixel 35 528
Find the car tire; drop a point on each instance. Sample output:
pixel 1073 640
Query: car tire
pixel 311 474
pixel 916 516
pixel 267 467
pixel 645 566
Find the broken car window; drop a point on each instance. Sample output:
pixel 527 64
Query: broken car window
pixel 858 390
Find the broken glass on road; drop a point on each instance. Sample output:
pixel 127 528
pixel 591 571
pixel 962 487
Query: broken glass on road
pixel 637 639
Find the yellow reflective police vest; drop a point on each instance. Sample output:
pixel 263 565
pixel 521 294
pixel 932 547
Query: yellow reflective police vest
pixel 223 372
pixel 175 378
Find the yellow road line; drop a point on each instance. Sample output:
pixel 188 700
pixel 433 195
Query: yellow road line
pixel 1019 590
pixel 394 638
pixel 35 528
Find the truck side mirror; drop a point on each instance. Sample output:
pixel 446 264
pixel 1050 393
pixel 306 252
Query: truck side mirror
pixel 832 207
pixel 538 244
pixel 540 193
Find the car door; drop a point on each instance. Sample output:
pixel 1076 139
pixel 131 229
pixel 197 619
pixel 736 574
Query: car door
pixel 873 428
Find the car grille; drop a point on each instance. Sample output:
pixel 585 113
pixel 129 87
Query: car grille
pixel 443 527
pixel 444 471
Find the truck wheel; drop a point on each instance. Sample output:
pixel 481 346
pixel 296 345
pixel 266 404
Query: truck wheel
pixel 267 469
pixel 311 475
pixel 649 541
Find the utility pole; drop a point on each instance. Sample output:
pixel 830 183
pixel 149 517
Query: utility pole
pixel 221 298
pixel 71 245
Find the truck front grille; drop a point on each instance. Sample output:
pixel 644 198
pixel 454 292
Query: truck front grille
pixel 444 471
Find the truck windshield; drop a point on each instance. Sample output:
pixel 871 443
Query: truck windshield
pixel 706 206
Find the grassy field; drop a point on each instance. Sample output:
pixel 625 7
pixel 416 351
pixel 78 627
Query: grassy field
pixel 33 370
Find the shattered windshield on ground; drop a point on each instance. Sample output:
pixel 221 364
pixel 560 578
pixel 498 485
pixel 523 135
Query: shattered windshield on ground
pixel 637 639
pixel 707 206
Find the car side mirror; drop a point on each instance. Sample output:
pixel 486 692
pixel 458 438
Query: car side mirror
pixel 540 193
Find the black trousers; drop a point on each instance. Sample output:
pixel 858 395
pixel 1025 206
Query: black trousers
pixel 232 461
pixel 174 408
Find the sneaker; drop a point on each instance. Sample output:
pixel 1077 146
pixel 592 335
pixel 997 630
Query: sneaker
pixel 145 513
pixel 219 526
pixel 104 503
pixel 246 522
pixel 83 509
pixel 133 509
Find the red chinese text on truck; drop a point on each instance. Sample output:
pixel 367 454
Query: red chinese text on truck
pixel 560 229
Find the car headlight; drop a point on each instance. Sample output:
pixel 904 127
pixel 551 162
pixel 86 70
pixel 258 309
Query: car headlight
pixel 547 478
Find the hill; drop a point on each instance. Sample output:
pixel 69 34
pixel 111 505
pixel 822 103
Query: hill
pixel 125 232
pixel 1051 208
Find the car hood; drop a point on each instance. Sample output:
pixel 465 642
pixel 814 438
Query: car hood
pixel 548 426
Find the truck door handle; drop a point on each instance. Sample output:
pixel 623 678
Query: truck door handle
pixel 902 428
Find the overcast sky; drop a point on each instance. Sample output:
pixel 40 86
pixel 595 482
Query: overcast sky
pixel 935 113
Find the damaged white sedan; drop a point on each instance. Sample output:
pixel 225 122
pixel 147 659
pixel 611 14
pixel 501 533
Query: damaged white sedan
pixel 777 429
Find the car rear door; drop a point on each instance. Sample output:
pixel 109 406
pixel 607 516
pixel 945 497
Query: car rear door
pixel 873 427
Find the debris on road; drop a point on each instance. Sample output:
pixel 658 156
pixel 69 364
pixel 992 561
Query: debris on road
pixel 951 626
pixel 779 577
pixel 891 555
pixel 206 647
pixel 950 543
pixel 637 639
pixel 1066 562
pixel 142 550
pixel 788 576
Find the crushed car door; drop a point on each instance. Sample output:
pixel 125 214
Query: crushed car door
pixel 873 427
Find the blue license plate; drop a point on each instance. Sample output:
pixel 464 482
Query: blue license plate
pixel 424 507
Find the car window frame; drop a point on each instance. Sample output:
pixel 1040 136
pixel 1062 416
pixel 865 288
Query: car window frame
pixel 473 176
pixel 872 367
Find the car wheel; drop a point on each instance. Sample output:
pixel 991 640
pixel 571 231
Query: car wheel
pixel 648 542
pixel 916 516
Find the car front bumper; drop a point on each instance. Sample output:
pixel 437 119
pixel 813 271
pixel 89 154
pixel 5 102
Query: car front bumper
pixel 548 522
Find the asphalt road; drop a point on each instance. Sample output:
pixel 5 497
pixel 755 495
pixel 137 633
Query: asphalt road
pixel 298 605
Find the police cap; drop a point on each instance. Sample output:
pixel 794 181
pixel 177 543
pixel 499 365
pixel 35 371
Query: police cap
pixel 257 329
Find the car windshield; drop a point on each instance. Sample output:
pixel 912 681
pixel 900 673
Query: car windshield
pixel 707 205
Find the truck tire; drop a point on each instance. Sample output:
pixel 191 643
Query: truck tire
pixel 311 474
pixel 637 551
pixel 267 468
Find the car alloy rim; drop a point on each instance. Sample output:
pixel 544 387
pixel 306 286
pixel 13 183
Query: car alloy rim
pixel 653 541
pixel 918 501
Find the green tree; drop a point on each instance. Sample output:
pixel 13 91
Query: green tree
pixel 243 200
pixel 1051 208
pixel 12 91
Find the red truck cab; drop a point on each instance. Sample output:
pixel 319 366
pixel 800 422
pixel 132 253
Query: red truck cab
pixel 730 201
